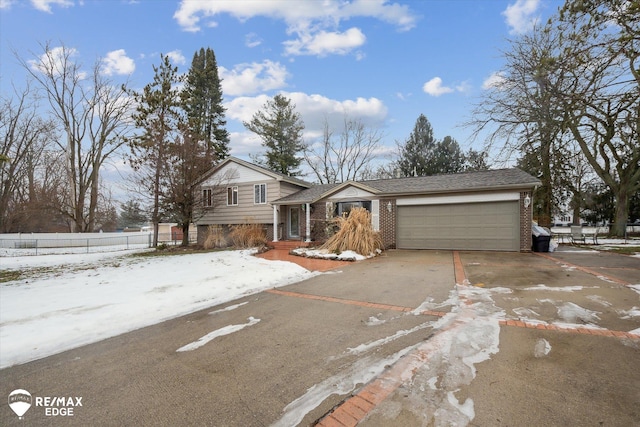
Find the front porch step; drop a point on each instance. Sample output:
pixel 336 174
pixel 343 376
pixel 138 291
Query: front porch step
pixel 288 244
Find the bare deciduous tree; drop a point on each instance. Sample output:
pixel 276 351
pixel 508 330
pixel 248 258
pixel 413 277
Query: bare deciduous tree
pixel 521 113
pixel 346 157
pixel 92 113
pixel 24 138
pixel 601 51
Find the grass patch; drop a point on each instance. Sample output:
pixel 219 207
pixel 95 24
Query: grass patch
pixel 176 250
pixel 30 273
pixel 623 250
pixel 10 275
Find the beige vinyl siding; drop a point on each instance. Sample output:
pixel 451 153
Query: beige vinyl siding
pixel 287 189
pixel 246 208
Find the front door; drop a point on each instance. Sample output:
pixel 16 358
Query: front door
pixel 294 221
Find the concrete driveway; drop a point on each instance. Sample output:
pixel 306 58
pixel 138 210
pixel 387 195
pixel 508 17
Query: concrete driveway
pixel 524 339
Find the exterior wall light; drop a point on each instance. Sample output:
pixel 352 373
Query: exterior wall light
pixel 389 206
pixel 527 201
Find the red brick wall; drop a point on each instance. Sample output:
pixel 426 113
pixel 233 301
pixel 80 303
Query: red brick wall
pixel 526 215
pixel 388 223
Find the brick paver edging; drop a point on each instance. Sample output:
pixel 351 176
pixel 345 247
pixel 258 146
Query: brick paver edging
pixel 355 302
pixel 584 331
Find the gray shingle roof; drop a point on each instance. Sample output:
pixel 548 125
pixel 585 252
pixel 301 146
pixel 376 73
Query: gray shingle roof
pixel 481 180
pixel 308 195
pixel 470 181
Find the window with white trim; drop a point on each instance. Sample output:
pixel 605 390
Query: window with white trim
pixel 207 198
pixel 260 194
pixel 232 196
pixel 343 208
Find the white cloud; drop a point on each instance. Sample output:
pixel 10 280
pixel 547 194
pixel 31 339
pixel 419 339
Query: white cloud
pixel 314 110
pixel 521 16
pixel 54 60
pixel 323 43
pixel 6 4
pixel 495 80
pixel 176 57
pixel 252 40
pixel 117 62
pixel 244 143
pixel 434 87
pixel 315 23
pixel 246 79
pixel 464 87
pixel 45 5
pixel 189 12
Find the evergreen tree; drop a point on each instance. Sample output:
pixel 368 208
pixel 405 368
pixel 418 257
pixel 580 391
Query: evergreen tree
pixel 448 158
pixel 158 114
pixel 476 160
pixel 280 128
pixel 131 215
pixel 417 153
pixel 202 102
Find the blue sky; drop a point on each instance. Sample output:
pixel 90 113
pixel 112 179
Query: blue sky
pixel 383 62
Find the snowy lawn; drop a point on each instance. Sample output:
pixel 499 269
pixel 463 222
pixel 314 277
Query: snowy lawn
pixel 65 301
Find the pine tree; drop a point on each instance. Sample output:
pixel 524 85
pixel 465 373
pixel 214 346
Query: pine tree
pixel 280 128
pixel 417 153
pixel 448 158
pixel 157 114
pixel 202 102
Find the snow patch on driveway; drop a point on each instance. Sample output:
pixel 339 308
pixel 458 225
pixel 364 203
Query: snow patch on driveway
pixel 217 333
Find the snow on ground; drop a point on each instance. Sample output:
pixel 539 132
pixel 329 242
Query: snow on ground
pixel 84 298
pixel 325 254
pixel 463 338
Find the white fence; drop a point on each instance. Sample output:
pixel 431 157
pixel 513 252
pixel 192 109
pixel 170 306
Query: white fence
pixel 48 243
pixel 20 244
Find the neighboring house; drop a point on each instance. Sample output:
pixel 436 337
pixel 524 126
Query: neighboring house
pixel 168 231
pixel 486 210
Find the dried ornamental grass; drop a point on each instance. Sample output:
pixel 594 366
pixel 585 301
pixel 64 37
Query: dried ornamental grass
pixel 355 233
pixel 248 235
pixel 215 237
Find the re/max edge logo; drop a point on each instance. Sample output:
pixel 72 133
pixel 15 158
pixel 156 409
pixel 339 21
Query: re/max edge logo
pixel 21 400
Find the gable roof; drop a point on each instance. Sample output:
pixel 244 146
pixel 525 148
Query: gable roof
pixel 496 179
pixel 275 175
pixel 468 181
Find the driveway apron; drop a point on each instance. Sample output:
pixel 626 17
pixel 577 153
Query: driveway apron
pixel 569 348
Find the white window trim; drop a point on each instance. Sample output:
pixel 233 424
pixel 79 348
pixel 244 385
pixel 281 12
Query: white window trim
pixel 260 202
pixel 207 197
pixel 234 191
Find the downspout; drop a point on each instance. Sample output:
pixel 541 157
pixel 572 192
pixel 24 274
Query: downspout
pixel 275 223
pixel 308 223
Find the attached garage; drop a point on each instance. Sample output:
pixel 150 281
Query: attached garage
pixel 460 226
pixel 489 210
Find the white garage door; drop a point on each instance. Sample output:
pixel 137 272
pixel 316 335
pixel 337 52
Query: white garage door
pixel 466 226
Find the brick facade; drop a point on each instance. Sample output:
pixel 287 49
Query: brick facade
pixel 388 222
pixel 526 218
pixel 388 226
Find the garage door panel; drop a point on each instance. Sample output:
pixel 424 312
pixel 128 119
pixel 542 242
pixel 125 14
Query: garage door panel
pixel 469 226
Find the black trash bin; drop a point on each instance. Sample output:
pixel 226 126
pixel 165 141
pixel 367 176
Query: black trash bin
pixel 541 243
